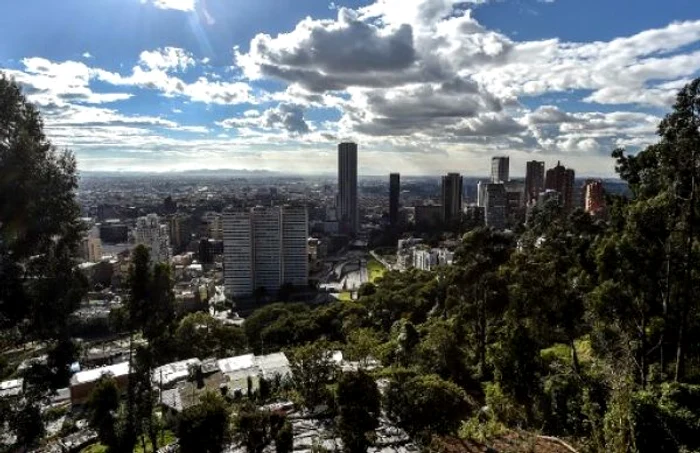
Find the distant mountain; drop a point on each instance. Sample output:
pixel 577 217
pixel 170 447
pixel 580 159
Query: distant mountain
pixel 222 172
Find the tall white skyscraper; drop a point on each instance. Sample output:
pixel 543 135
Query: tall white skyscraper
pixel 265 248
pixel 152 234
pixel 349 216
pixel 238 253
pixel 500 169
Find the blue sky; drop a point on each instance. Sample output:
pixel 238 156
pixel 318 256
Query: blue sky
pixel 424 86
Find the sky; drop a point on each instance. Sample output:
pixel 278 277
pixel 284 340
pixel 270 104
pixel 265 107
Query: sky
pixel 423 86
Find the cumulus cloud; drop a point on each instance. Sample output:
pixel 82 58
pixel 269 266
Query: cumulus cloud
pixel 285 117
pixel 167 58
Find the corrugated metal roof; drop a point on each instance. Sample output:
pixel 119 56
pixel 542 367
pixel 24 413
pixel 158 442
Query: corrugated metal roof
pixel 119 369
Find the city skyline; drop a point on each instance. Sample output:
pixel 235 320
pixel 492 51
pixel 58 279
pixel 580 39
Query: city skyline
pixel 189 84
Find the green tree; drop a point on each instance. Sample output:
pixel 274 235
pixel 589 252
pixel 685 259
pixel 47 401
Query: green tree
pixel 313 369
pixel 102 408
pixel 201 335
pixel 204 427
pixel 40 230
pixel 256 429
pixel 425 405
pixel 358 408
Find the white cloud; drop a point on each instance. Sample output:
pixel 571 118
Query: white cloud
pixel 87 55
pixel 166 58
pixel 180 5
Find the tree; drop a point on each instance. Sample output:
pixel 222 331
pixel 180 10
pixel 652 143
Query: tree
pixel 256 429
pixel 102 407
pixel 284 441
pixel 313 369
pixel 204 427
pixel 201 335
pixel 40 230
pixel 425 405
pixel 358 407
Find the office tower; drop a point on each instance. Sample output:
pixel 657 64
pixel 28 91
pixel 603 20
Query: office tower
pixel 238 254
pixel 496 206
pixel 213 225
pixel 265 248
pixel 500 169
pixel 534 180
pixel 394 191
pixel 428 216
pixel 114 232
pixel 295 254
pixel 594 196
pixel 152 234
pixel 515 205
pixel 348 214
pixel 561 179
pixel 91 246
pixel 481 194
pixel 179 231
pixel 451 197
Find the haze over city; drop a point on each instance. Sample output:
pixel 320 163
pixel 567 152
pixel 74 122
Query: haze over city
pixel 424 86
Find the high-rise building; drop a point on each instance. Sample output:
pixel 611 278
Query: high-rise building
pixel 348 214
pixel 534 180
pixel 562 179
pixel 394 192
pixel 500 169
pixel 91 246
pixel 265 248
pixel 213 225
pixel 594 196
pixel 496 204
pixel 151 233
pixel 239 267
pixel 179 231
pixel 481 194
pixel 451 197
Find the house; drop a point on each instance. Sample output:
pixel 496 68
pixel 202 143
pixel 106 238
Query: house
pixel 83 383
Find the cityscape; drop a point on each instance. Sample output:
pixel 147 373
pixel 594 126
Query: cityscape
pixel 367 226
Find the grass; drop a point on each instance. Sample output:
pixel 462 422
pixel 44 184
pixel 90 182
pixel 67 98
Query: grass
pixel 345 296
pixel 375 269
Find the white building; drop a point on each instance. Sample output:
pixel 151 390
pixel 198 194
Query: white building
pixel 425 260
pixel 265 248
pixel 154 235
pixel 91 247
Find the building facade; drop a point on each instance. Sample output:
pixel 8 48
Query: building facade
pixel 562 180
pixel 152 234
pixel 594 197
pixel 348 214
pixel 265 248
pixel 500 169
pixel 496 208
pixel 451 197
pixel 394 194
pixel 534 180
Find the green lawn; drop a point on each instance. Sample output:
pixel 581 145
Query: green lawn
pixel 375 269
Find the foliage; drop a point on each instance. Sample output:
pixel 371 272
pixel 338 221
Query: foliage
pixel 201 335
pixel 358 407
pixel 204 427
pixel 102 407
pixel 313 369
pixel 425 405
pixel 256 429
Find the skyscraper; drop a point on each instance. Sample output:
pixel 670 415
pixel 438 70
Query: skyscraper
pixel 152 234
pixel 394 191
pixel 500 169
pixel 348 214
pixel 562 179
pixel 496 206
pixel 265 248
pixel 451 197
pixel 534 180
pixel 594 196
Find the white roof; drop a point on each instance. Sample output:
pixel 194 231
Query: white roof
pixel 119 369
pixel 273 364
pixel 237 363
pixel 173 372
pixel 11 384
